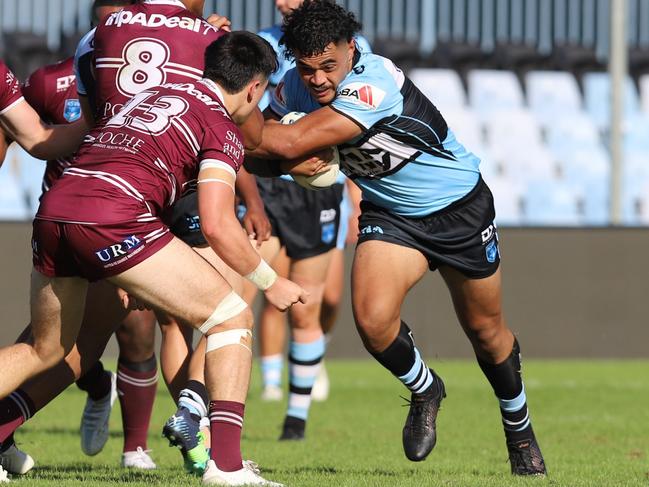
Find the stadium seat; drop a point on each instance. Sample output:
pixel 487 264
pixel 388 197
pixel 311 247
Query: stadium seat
pixel 635 181
pixel 30 172
pixel 572 131
pixel 443 87
pixel 636 133
pixel 492 91
pixel 507 199
pixel 13 205
pixel 466 127
pixel 551 202
pixel 644 92
pixel 512 135
pixel 552 93
pixel 597 98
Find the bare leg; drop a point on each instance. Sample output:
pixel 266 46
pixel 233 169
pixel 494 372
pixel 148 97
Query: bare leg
pixel 57 310
pixel 333 290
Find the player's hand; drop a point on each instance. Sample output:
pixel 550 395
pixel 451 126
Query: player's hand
pixel 315 164
pixel 284 293
pixel 130 302
pixel 216 20
pixel 257 225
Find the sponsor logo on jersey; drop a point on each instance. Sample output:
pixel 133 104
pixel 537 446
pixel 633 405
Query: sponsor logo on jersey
pixel 328 233
pixel 11 82
pixel 193 223
pixel 126 17
pixel 72 110
pixel 363 94
pixel 64 82
pixel 119 250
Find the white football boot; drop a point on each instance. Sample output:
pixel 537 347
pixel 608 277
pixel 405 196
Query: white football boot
pixel 248 475
pixel 94 422
pixel 3 477
pixel 138 459
pixel 16 461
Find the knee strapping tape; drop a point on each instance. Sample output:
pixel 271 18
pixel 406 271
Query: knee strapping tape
pixel 229 307
pixel 229 337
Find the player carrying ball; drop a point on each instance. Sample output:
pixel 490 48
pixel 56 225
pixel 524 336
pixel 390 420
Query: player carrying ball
pixel 425 206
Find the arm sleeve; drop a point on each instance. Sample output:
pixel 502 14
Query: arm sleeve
pixel 34 91
pixel 222 146
pixel 367 100
pixel 10 92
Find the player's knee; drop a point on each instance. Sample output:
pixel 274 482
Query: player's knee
pixel 305 317
pixel 486 331
pixel 375 318
pixel 231 311
pixel 49 353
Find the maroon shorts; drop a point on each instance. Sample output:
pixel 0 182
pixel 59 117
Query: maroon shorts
pixel 94 252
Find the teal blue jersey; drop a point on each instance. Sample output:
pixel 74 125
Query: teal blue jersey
pixel 406 160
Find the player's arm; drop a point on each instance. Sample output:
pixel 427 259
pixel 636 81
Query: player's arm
pixel 216 181
pixel 42 141
pixel 316 131
pixel 4 145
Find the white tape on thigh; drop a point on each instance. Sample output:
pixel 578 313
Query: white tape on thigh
pixel 229 337
pixel 229 307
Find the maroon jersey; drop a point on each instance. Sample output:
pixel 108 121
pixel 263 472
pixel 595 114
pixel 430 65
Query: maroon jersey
pixel 138 164
pixel 10 93
pixel 52 92
pixel 145 45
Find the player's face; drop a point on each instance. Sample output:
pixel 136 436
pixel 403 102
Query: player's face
pixel 322 73
pixel 254 93
pixel 285 6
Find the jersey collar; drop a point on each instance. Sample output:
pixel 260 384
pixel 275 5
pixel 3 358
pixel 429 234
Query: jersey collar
pixel 214 88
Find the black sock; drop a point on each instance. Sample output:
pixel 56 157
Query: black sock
pixel 507 383
pixel 96 382
pixel 6 444
pixel 194 397
pixel 404 361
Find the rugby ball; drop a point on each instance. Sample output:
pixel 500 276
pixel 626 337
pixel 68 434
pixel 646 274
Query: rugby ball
pixel 324 179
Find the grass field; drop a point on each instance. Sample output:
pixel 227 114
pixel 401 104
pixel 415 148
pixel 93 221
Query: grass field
pixel 591 418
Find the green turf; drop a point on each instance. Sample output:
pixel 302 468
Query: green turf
pixel 591 418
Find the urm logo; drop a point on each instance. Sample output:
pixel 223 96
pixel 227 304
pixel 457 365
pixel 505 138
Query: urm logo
pixel 119 249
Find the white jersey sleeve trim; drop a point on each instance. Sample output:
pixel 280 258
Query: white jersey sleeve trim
pixel 216 164
pixel 11 105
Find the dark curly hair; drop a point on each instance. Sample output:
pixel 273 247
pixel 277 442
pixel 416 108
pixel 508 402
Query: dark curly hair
pixel 310 28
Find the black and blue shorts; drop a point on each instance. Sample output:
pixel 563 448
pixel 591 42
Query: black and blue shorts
pixel 462 236
pixel 305 221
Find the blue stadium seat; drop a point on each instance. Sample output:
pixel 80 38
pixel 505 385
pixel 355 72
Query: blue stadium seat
pixel 635 184
pixel 443 87
pixel 507 199
pixel 465 125
pixel 492 90
pixel 636 133
pixel 552 94
pixel 644 92
pixel 572 131
pixel 30 172
pixel 551 202
pixel 13 204
pixel 597 97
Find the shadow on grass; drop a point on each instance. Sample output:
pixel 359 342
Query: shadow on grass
pixel 56 430
pixel 325 470
pixel 89 473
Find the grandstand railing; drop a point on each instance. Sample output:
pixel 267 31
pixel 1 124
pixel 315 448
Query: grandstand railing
pixel 539 23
